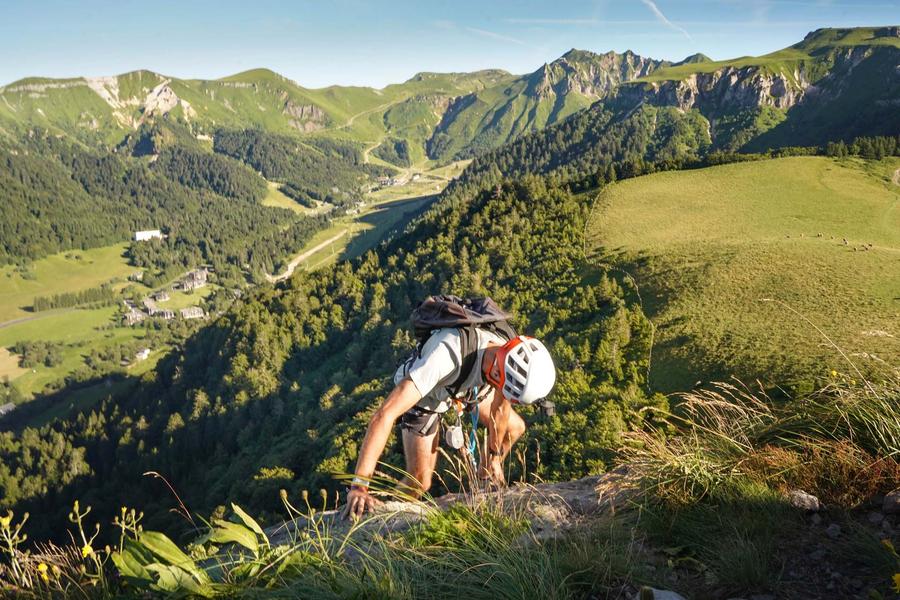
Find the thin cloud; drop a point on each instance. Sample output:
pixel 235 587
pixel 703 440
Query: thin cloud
pixel 495 36
pixel 553 21
pixel 665 21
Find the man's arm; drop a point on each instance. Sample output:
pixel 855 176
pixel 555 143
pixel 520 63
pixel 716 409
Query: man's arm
pixel 402 398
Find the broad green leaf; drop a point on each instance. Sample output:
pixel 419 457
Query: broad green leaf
pixel 164 548
pixel 227 532
pixel 132 560
pixel 249 522
pixel 175 580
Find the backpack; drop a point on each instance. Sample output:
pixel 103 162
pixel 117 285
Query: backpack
pixel 465 314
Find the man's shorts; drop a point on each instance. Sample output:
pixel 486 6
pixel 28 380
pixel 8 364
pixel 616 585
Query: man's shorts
pixel 420 422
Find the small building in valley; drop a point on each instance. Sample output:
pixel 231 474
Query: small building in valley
pixel 133 317
pixel 7 408
pixel 142 354
pixel 148 234
pixel 196 279
pixel 161 296
pixel 192 312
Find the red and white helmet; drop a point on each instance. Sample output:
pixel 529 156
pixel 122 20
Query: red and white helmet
pixel 527 372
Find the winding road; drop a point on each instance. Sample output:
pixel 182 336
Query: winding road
pixel 303 256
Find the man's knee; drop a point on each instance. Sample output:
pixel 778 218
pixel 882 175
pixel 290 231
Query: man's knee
pixel 516 427
pixel 423 478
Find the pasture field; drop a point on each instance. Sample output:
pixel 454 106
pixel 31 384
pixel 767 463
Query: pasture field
pixel 363 230
pixel 724 256
pixel 69 271
pixel 385 209
pixel 82 330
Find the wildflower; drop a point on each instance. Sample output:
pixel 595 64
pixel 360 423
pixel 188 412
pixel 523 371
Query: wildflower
pixel 833 373
pixel 897 582
pixel 42 569
pixel 87 551
pixel 5 521
pixel 852 382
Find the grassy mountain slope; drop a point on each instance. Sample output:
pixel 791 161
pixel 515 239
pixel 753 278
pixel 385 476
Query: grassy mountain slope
pixel 707 245
pixel 501 113
pixel 835 84
pixel 439 115
pixel 812 47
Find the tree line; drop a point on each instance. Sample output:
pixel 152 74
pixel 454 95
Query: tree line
pixel 104 294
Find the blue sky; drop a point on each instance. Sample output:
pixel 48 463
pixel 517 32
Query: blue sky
pixel 376 43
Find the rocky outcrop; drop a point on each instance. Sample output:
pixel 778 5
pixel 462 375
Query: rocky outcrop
pixel 731 89
pixel 588 74
pixel 723 90
pixel 552 509
pixel 304 117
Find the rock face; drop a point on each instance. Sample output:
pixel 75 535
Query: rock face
pixel 552 508
pixel 731 89
pixel 305 117
pixel 723 90
pixel 588 74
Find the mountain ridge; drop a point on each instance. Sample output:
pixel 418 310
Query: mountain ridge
pixel 446 116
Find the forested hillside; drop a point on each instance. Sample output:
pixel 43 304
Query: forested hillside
pixel 318 352
pixel 62 196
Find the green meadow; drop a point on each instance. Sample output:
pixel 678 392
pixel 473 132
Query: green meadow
pixel 69 271
pixel 744 270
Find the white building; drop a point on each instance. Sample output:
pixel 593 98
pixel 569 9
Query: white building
pixel 142 354
pixel 149 234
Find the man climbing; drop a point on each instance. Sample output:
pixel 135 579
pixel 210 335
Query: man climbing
pixel 467 354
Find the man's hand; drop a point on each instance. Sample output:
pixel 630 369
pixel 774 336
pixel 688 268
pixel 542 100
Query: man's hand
pixel 493 471
pixel 359 502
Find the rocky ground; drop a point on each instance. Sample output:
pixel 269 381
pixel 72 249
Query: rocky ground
pixel 819 563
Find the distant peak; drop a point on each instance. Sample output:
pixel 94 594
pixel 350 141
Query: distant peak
pixel 694 59
pixel 255 75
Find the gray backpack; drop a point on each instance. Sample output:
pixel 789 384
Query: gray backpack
pixel 465 314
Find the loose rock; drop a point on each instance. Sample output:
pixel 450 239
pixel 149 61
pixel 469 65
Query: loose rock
pixel 875 518
pixel 803 500
pixel 654 594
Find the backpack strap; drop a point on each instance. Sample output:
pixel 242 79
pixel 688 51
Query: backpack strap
pixel 468 350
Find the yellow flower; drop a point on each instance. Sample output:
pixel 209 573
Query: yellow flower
pixel 897 582
pixel 42 568
pixel 87 551
pixel 833 373
pixel 5 521
pixel 852 382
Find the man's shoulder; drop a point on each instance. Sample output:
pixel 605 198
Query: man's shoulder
pixel 446 335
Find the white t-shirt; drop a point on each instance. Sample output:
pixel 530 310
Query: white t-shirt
pixel 438 367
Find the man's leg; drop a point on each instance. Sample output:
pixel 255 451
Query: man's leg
pixel 420 452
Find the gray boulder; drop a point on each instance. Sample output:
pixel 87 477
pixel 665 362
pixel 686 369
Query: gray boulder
pixel 804 501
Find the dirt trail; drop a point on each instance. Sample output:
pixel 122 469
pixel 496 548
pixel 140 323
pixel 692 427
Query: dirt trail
pixel 32 318
pixel 301 257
